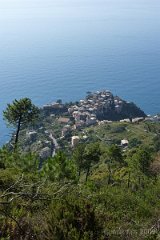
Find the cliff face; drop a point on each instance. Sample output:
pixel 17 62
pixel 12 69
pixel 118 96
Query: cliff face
pixel 114 108
pixel 126 110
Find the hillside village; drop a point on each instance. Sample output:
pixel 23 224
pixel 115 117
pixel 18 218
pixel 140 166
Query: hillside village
pixel 65 125
pixel 100 105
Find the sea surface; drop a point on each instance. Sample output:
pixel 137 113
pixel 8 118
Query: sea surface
pixel 60 49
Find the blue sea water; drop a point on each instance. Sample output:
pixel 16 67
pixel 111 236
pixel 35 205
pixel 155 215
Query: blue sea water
pixel 51 49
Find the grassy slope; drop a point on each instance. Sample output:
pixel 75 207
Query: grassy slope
pixel 116 131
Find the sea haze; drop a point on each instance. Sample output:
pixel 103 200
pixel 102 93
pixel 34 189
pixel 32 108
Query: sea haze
pixel 55 49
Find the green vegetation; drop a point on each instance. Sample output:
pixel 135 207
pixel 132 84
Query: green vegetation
pixel 138 134
pixel 143 133
pixel 20 113
pixel 98 192
pixel 95 191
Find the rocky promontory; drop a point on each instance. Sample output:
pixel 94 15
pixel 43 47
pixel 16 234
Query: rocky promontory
pixel 100 105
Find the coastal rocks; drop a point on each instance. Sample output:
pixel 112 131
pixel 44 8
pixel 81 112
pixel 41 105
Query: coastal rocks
pixel 118 112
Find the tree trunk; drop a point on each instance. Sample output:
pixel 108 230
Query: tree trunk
pixel 79 172
pixel 17 133
pixel 128 184
pixel 87 174
pixel 139 180
pixel 109 176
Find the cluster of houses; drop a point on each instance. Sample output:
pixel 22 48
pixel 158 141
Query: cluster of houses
pixel 87 111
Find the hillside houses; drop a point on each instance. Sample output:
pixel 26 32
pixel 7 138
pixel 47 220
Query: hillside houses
pixel 96 106
pixel 101 106
pixel 86 112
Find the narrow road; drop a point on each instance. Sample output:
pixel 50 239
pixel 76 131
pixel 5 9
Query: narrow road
pixel 54 145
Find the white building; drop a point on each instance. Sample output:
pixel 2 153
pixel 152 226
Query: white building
pixel 124 143
pixel 127 120
pixel 75 141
